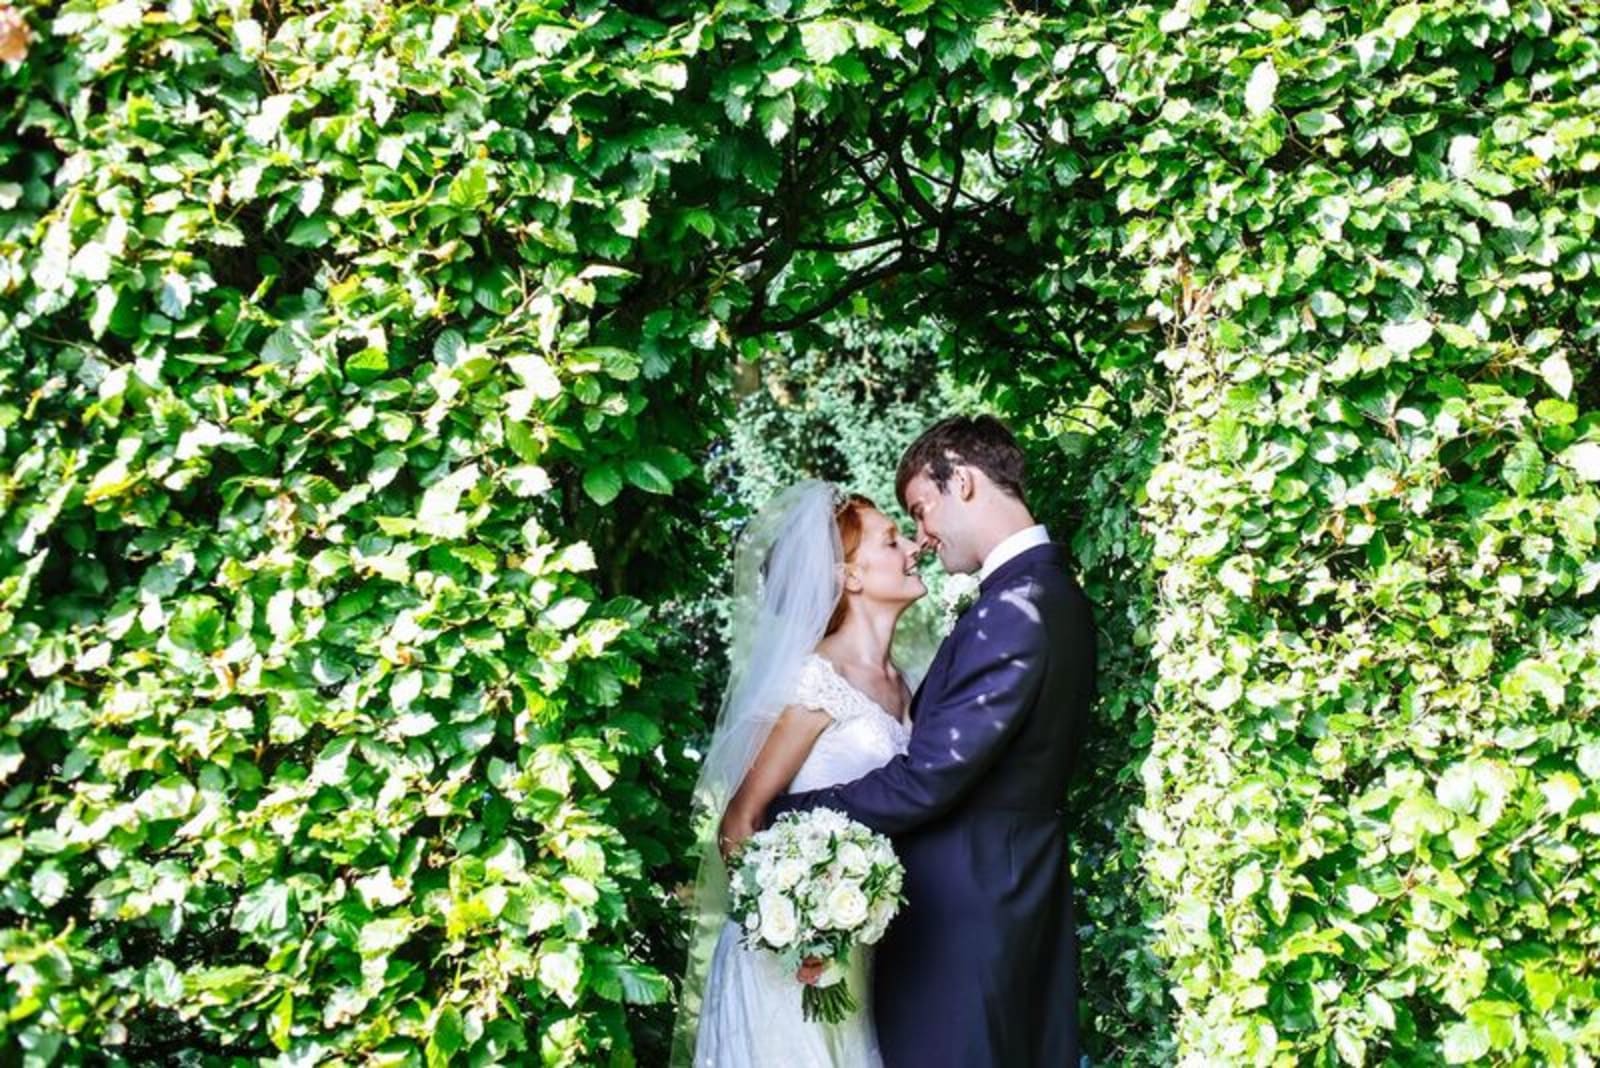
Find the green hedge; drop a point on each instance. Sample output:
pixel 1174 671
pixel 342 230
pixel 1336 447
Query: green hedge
pixel 315 434
pixel 356 363
pixel 1371 799
pixel 1336 264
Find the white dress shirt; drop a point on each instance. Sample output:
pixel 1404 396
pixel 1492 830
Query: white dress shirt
pixel 1018 543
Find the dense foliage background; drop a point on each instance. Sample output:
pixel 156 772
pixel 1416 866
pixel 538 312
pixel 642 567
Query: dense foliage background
pixel 380 385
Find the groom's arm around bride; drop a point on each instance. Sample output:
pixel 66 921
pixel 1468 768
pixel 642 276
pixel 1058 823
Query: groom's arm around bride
pixel 992 672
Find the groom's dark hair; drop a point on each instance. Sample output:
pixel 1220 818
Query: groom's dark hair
pixel 980 441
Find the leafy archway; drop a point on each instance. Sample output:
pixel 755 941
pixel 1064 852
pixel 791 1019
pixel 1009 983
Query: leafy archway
pixel 356 365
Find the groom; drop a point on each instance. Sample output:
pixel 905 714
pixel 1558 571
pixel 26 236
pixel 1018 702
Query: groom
pixel 980 967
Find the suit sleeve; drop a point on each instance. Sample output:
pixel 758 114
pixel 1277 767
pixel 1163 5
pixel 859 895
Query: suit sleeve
pixel 996 676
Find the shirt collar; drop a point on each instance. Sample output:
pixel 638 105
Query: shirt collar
pixel 1015 545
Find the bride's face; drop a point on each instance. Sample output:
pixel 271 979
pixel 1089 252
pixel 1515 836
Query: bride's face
pixel 884 567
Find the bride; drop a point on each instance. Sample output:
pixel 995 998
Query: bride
pixel 814 699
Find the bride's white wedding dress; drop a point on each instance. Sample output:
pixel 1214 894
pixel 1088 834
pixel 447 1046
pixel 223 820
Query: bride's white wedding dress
pixel 751 1014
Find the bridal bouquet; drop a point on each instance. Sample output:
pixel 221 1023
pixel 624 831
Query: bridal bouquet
pixel 814 884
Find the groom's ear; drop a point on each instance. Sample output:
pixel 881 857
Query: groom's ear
pixel 963 482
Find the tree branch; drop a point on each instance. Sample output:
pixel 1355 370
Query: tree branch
pixel 857 246
pixel 904 261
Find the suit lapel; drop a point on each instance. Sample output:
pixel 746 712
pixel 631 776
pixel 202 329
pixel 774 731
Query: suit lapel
pixel 941 659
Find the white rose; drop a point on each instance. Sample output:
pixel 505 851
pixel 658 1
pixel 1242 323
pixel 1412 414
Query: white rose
pixel 778 924
pixel 853 859
pixel 786 873
pixel 879 915
pixel 847 907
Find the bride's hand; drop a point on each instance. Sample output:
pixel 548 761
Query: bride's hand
pixel 810 970
pixel 734 830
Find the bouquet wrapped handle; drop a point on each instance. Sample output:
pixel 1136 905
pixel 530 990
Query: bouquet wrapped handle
pixel 829 999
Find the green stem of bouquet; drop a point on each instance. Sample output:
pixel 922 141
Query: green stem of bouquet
pixel 830 1004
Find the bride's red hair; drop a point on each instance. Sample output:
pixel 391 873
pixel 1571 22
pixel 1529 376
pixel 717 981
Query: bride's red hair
pixel 848 516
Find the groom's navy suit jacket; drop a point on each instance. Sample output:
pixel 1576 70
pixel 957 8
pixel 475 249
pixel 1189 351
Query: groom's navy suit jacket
pixel 981 966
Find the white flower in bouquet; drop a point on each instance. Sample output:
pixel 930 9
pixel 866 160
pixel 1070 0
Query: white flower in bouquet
pixel 786 873
pixel 779 923
pixel 816 884
pixel 813 845
pixel 878 917
pixel 847 907
pixel 853 860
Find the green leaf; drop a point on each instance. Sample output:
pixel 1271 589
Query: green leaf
pixel 1317 123
pixel 701 222
pixel 1524 468
pixel 163 985
pixel 602 483
pixel 618 363
pixel 619 980
pixel 1544 987
pixel 367 365
pixel 565 614
pixel 647 476
pixel 311 233
pixel 824 40
pixel 629 216
pixel 447 1037
pixel 1326 305
pixel 1395 138
pixel 196 624
pixel 281 1027
pixel 469 189
pixel 560 970
pixel 263 910
pixel 1464 1043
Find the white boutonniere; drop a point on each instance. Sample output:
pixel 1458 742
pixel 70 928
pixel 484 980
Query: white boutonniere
pixel 957 596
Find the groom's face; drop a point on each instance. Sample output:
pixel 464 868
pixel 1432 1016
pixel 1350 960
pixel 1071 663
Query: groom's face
pixel 938 519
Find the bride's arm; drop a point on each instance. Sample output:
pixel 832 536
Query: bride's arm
pixel 774 768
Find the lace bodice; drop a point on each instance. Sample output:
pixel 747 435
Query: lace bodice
pixel 862 737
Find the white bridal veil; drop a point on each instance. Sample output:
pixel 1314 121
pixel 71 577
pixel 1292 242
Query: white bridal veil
pixel 788 573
